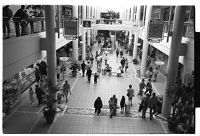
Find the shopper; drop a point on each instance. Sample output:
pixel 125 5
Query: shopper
pixel 62 70
pixel 98 105
pixel 155 74
pixel 58 71
pixel 117 52
pixel 126 64
pixel 39 94
pixel 152 105
pixel 123 63
pixel 66 90
pixel 95 78
pixel 31 96
pixel 89 73
pixel 130 94
pixel 83 66
pixel 145 103
pixel 20 19
pixel 122 104
pixel 37 74
pixel 141 87
pixel 148 87
pixel 7 15
pixel 150 72
pixel 113 106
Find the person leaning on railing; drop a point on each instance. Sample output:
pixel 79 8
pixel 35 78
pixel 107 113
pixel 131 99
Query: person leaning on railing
pixel 20 19
pixel 7 15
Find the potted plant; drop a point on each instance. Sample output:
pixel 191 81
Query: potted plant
pixel 135 61
pixel 49 111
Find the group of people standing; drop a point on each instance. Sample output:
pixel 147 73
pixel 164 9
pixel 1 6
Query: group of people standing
pixel 21 18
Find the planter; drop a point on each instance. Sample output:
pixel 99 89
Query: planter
pixel 135 61
pixel 49 115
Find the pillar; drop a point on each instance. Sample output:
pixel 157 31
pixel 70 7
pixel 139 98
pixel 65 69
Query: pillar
pixel 89 36
pixel 132 14
pixel 51 48
pixel 136 34
pixel 83 36
pixel 172 66
pixel 75 42
pixel 145 42
pixel 130 38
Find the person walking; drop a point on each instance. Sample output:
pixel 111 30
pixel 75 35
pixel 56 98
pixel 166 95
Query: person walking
pixel 58 71
pixel 31 96
pixel 62 70
pixel 141 87
pixel 117 52
pixel 130 94
pixel 89 73
pixel 95 78
pixel 113 106
pixel 39 94
pixel 66 90
pixel 122 104
pixel 106 59
pixel 126 64
pixel 155 74
pixel 37 74
pixel 98 105
pixel 83 65
pixel 123 62
pixel 148 87
pixel 152 105
pixel 145 103
pixel 7 15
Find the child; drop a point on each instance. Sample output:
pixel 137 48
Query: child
pixel 95 78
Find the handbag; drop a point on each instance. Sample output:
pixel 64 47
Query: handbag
pixel 128 94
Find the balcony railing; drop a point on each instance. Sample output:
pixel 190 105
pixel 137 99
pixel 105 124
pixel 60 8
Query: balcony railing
pixel 188 30
pixel 34 25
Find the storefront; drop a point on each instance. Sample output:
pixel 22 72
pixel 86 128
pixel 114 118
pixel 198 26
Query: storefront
pixel 15 86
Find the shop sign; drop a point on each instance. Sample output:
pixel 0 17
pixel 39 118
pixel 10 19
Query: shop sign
pixel 155 30
pixel 86 23
pixel 70 29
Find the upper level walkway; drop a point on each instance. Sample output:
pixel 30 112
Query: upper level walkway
pixel 78 114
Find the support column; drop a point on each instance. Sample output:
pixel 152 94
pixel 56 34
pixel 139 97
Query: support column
pixel 89 36
pixel 83 36
pixel 172 66
pixel 130 38
pixel 145 43
pixel 136 34
pixel 51 48
pixel 75 42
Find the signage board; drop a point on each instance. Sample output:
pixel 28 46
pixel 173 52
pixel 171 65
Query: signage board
pixel 86 23
pixel 155 30
pixel 70 29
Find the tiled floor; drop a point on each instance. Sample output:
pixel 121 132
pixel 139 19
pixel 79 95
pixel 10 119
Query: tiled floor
pixel 29 118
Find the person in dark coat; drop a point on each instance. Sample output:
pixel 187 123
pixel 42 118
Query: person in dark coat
pixel 43 68
pixel 145 104
pixel 20 19
pixel 39 94
pixel 117 52
pixel 98 105
pixel 83 65
pixel 37 74
pixel 122 104
pixel 7 15
pixel 89 73
pixel 148 87
pixel 95 78
pixel 152 105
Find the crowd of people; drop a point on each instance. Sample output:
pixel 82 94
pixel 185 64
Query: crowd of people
pixel 22 18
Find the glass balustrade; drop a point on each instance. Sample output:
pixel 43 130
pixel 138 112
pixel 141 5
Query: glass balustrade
pixel 31 26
